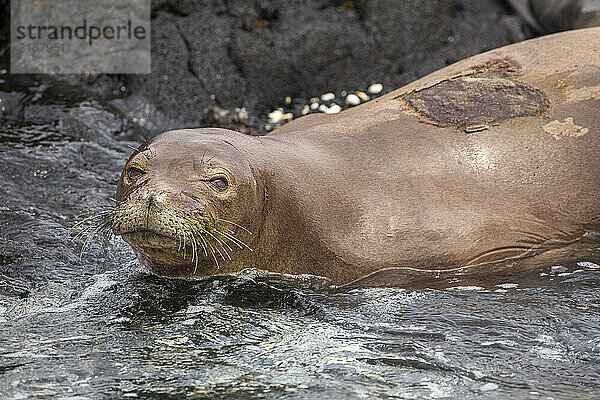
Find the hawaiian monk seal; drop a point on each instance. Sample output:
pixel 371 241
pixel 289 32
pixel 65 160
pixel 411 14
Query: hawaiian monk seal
pixel 475 163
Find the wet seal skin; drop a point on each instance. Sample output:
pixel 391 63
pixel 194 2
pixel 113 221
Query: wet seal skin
pixel 452 175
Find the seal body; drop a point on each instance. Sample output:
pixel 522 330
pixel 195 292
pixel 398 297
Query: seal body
pixel 478 162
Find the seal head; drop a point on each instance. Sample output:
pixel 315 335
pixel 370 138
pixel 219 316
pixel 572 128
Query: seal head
pixel 187 202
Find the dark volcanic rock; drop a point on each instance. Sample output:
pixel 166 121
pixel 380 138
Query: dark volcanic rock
pixel 251 54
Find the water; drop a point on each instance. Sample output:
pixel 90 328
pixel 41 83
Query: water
pixel 97 326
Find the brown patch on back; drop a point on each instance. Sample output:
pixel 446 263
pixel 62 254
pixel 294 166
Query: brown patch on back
pixel 486 94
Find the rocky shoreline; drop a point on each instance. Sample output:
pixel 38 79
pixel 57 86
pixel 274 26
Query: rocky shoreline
pixel 232 64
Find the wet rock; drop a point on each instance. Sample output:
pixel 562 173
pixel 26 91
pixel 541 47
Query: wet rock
pixel 91 121
pixel 12 105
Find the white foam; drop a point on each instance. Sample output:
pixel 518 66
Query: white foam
pixel 508 285
pixel 589 265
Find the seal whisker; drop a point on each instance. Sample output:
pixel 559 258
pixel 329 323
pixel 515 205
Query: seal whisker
pixel 90 239
pixel 235 240
pixel 105 235
pixel 225 244
pixel 193 243
pixel 196 251
pixel 95 211
pixel 234 224
pixel 231 240
pixel 217 249
pixel 83 230
pixel 102 231
pixel 212 251
pixel 218 242
pixel 75 233
pixel 89 220
pixel 184 244
pixel 100 215
pixel 225 250
pixel 240 244
pixel 200 228
pixel 95 208
pixel 203 246
pixel 216 239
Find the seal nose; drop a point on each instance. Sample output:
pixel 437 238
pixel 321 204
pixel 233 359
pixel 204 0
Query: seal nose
pixel 168 198
pixel 159 197
pixel 165 197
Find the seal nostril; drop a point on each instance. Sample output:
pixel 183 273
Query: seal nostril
pixel 190 195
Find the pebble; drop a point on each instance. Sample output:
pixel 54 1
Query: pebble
pixel 325 103
pixel 352 99
pixel 334 109
pixel 375 88
pixel 327 96
pixel 275 116
pixel 363 96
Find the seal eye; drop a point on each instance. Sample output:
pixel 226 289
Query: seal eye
pixel 133 173
pixel 219 183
